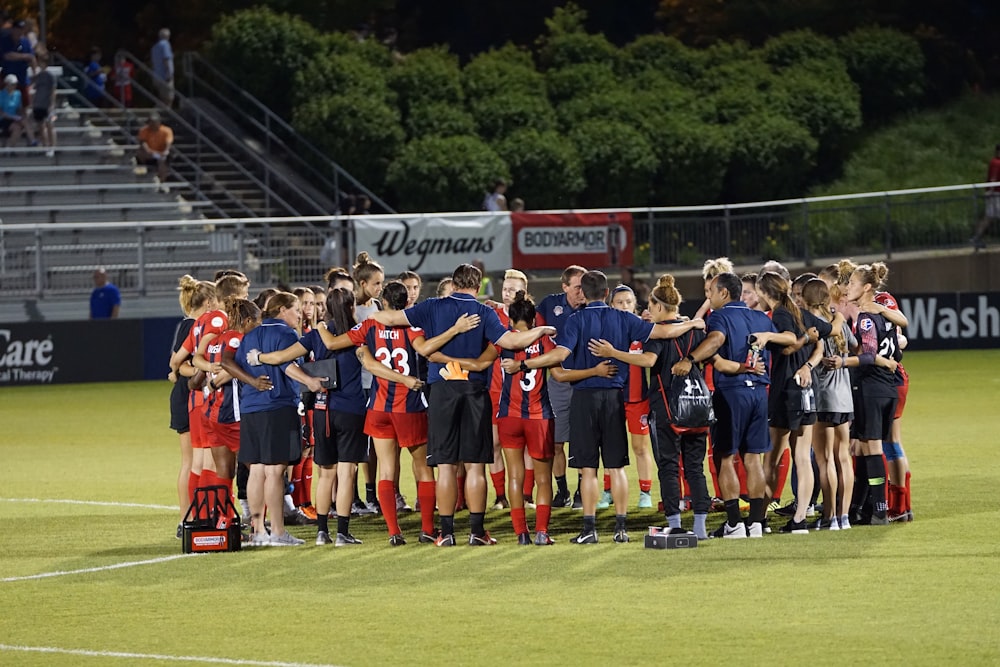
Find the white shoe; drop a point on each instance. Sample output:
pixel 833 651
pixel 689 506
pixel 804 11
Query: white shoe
pixel 845 522
pixel 286 540
pixel 755 529
pixel 737 532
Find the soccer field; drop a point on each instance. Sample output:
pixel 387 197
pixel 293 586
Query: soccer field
pixel 101 580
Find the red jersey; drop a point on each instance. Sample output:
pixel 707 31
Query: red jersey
pixel 526 395
pixel 214 322
pixel 636 383
pixel 496 372
pixel 993 173
pixel 223 403
pixel 393 347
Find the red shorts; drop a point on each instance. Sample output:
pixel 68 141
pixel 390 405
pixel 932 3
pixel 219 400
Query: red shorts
pixel 535 435
pixel 199 435
pixel 637 417
pixel 495 402
pixel 408 429
pixel 223 435
pixel 901 391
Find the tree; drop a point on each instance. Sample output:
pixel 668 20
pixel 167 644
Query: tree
pixel 772 157
pixel 438 118
pixel 502 71
pixel 665 56
pixel 424 76
pixel 502 114
pixel 888 67
pixel 349 74
pixel 618 163
pixel 545 167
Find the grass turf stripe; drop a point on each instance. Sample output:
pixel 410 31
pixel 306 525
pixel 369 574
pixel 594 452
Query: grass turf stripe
pixel 156 656
pixel 100 503
pixel 102 568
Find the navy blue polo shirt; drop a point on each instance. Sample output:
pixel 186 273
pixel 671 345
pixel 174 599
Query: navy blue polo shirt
pixel 435 316
pixel 596 321
pixel 553 311
pixel 348 397
pixel 272 335
pixel 736 322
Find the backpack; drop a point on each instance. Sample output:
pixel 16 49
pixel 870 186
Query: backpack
pixel 688 399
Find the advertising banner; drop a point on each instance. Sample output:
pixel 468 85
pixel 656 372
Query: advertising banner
pixel 556 240
pixel 435 245
pixel 951 320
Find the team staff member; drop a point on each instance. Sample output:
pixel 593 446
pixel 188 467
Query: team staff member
pixel 269 437
pixel 597 408
pixel 458 417
pixel 740 400
pixel 553 311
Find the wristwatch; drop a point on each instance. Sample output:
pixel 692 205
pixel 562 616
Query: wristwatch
pixel 690 358
pixel 524 366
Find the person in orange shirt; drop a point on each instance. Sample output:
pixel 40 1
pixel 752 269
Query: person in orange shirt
pixel 155 142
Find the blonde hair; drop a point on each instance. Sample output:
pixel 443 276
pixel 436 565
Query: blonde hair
pixel 514 274
pixel 194 293
pixel 874 274
pixel 231 285
pixel 665 293
pixel 713 267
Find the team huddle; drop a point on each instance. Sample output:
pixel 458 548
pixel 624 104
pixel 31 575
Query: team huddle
pixel 340 379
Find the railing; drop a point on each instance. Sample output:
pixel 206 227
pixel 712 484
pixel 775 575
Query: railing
pixel 277 136
pixel 147 257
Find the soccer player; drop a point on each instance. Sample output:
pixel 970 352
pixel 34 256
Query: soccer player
pixel 458 416
pixel 411 281
pixel 740 399
pixel 553 311
pixel 597 408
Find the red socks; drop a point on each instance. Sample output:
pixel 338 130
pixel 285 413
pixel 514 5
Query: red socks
pixel 498 483
pixel 426 492
pixel 906 494
pixel 783 462
pixel 297 484
pixel 518 521
pixel 712 469
pixel 529 483
pixel 607 482
pixel 645 485
pixel 192 485
pixel 542 514
pixel 387 499
pixel 307 481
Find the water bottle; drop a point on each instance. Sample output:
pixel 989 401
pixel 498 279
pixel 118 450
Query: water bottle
pixel 808 400
pixel 753 354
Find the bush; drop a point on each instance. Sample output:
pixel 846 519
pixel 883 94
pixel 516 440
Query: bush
pixel 438 118
pixel 665 56
pixel 771 158
pixel 618 163
pixel 617 104
pixel 371 51
pixel 574 80
pixel 888 67
pixel 821 96
pixel 577 48
pixel 263 51
pixel 359 131
pixel 333 74
pixel 444 174
pixel 545 166
pixel 500 115
pixel 797 46
pixel 503 71
pixel 692 155
pixel 425 76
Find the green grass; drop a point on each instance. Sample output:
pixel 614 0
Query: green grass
pixel 921 593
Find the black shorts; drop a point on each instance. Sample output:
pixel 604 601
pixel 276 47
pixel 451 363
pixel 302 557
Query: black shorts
pixel 179 420
pixel 834 418
pixel 271 437
pixel 339 437
pixel 459 423
pixel 5 124
pixel 873 417
pixel 597 429
pixel 784 409
pixel 40 114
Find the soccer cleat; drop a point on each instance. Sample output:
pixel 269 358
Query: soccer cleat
pixel 429 538
pixel 831 524
pixel 773 506
pixel 286 539
pixel 396 540
pixel 718 505
pixel 529 503
pixel 523 539
pixel 577 500
pixel 542 539
pixel 346 540
pixel 589 537
pixel 621 537
pixel 359 508
pixel 259 540
pixel 845 522
pixel 562 499
pixel 501 503
pixel 794 527
pixel 445 541
pixel 744 505
pixel 645 500
pixel 737 532
pixel 323 538
pixel 401 505
pixel 811 510
pixel 604 502
pixel 787 510
pixel 309 512
pixel 483 540
pixel 180 531
pixel 755 529
pixel 297 518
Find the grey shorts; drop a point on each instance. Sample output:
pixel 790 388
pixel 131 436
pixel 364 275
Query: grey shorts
pixel 560 394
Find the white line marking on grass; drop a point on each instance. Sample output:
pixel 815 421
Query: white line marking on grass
pixel 101 503
pixel 155 656
pixel 116 566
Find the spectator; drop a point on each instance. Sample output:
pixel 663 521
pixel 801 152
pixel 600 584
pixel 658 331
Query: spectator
pixel 11 120
pixel 123 78
pixel 97 78
pixel 105 300
pixel 364 205
pixel 495 200
pixel 517 205
pixel 992 201
pixel 155 142
pixel 16 55
pixel 44 103
pixel 162 56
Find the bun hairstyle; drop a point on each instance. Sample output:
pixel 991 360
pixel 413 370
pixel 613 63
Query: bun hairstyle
pixel 222 273
pixel 714 267
pixel 875 274
pixel 394 295
pixel 365 268
pixel 277 301
pixel 194 293
pixel 775 266
pixel 776 289
pixel 241 313
pixel 665 293
pixel 522 309
pixel 334 275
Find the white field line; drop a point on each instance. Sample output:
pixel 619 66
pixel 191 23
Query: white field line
pixel 103 568
pixel 100 503
pixel 155 656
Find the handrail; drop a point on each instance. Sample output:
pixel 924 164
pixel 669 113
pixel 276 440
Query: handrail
pixel 200 116
pixel 272 121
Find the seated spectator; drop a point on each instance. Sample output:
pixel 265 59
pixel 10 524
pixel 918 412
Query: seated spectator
pixel 155 141
pixel 11 120
pixel 97 78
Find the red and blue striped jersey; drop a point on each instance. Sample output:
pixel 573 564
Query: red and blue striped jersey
pixel 636 382
pixel 496 372
pixel 393 347
pixel 526 395
pixel 213 322
pixel 223 403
